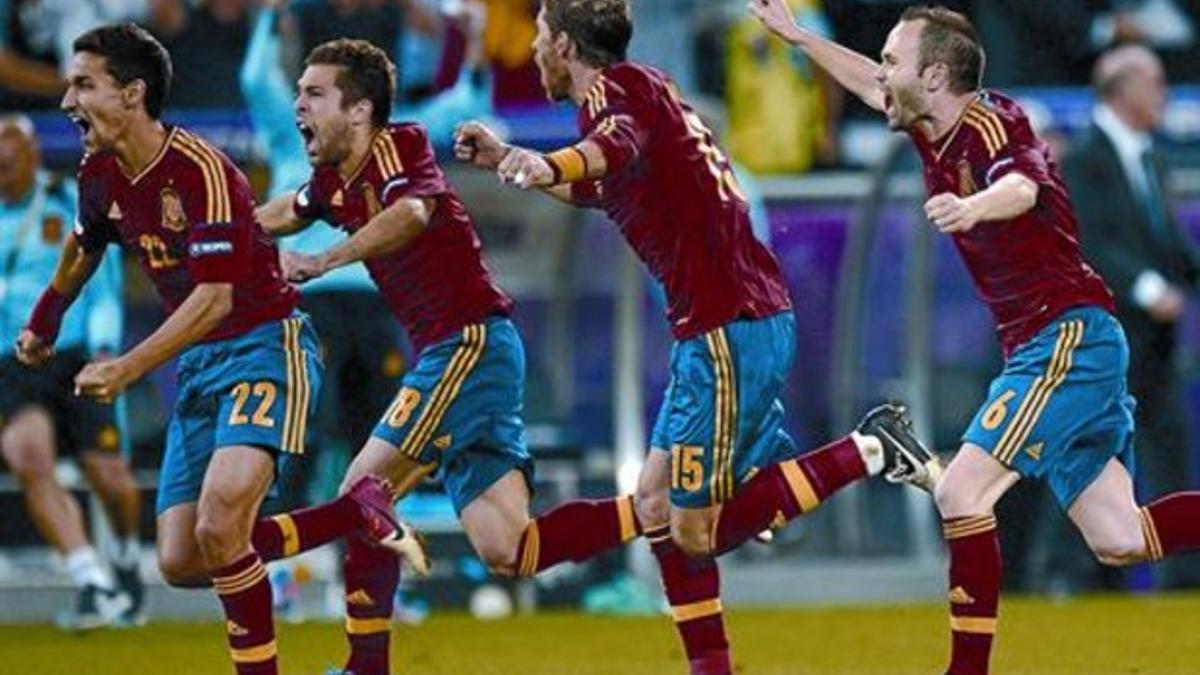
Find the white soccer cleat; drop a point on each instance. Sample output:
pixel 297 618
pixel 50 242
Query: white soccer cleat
pixel 412 548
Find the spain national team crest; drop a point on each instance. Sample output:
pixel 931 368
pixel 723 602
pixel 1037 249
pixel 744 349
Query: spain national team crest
pixel 966 180
pixel 52 229
pixel 173 216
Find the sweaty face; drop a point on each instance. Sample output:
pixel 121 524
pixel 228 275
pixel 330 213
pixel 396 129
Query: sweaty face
pixel 18 163
pixel 323 121
pixel 556 79
pixel 904 98
pixel 94 102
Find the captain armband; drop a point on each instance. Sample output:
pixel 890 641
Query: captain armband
pixel 570 165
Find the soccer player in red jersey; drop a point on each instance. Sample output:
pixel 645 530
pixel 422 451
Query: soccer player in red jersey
pixel 459 409
pixel 1060 409
pixel 718 448
pixel 248 362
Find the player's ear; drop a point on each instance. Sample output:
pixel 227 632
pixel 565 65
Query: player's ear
pixel 363 110
pixel 935 76
pixel 564 46
pixel 133 94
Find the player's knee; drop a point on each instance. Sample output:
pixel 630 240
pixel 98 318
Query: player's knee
pixel 500 557
pixel 1121 549
pixel 180 570
pixel 692 536
pixel 217 537
pixel 653 506
pixel 953 501
pixel 28 461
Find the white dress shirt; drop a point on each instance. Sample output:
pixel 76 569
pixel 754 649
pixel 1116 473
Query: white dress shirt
pixel 1131 144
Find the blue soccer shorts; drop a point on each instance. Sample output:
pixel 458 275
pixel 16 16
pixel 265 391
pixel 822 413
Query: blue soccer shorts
pixel 460 407
pixel 1060 409
pixel 721 417
pixel 256 389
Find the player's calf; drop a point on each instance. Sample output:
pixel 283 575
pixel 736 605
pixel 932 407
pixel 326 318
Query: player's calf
pixel 576 531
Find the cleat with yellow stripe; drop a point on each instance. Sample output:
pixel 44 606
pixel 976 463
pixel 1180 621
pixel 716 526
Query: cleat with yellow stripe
pixel 905 459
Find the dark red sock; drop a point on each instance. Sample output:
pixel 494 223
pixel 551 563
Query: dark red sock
pixel 1172 524
pixel 286 534
pixel 372 575
pixel 786 490
pixel 693 589
pixel 575 531
pixel 245 594
pixel 975 575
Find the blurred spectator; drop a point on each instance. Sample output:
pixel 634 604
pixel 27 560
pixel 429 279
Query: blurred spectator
pixel 765 75
pixel 379 22
pixel 36 39
pixel 508 43
pixel 40 417
pixel 207 42
pixel 1036 43
pixel 1117 180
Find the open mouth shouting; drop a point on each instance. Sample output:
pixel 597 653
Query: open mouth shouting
pixel 83 124
pixel 310 137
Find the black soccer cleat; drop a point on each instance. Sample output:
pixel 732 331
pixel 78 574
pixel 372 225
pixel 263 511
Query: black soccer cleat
pixel 129 582
pixel 95 607
pixel 905 459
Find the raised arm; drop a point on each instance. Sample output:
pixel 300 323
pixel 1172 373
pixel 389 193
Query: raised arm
pixel 35 344
pixel 852 70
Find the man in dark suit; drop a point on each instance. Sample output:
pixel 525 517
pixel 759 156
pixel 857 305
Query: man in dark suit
pixel 1117 183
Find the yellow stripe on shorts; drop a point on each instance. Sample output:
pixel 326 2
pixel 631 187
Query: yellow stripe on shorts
pixel 1070 334
pixel 466 356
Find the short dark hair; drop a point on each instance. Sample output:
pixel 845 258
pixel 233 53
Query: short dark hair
pixel 601 29
pixel 948 37
pixel 131 53
pixel 366 73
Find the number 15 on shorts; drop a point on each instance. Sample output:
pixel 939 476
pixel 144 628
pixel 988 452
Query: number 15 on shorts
pixel 687 471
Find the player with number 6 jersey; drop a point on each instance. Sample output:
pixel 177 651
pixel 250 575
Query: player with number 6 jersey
pixel 718 447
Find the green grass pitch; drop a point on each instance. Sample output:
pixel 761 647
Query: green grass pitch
pixel 1115 635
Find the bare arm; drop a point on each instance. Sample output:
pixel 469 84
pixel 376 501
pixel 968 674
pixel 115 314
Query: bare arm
pixel 200 314
pixel 852 70
pixel 1011 196
pixel 278 216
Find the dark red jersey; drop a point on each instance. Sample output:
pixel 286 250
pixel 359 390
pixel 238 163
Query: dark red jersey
pixel 1028 269
pixel 190 216
pixel 437 283
pixel 671 191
